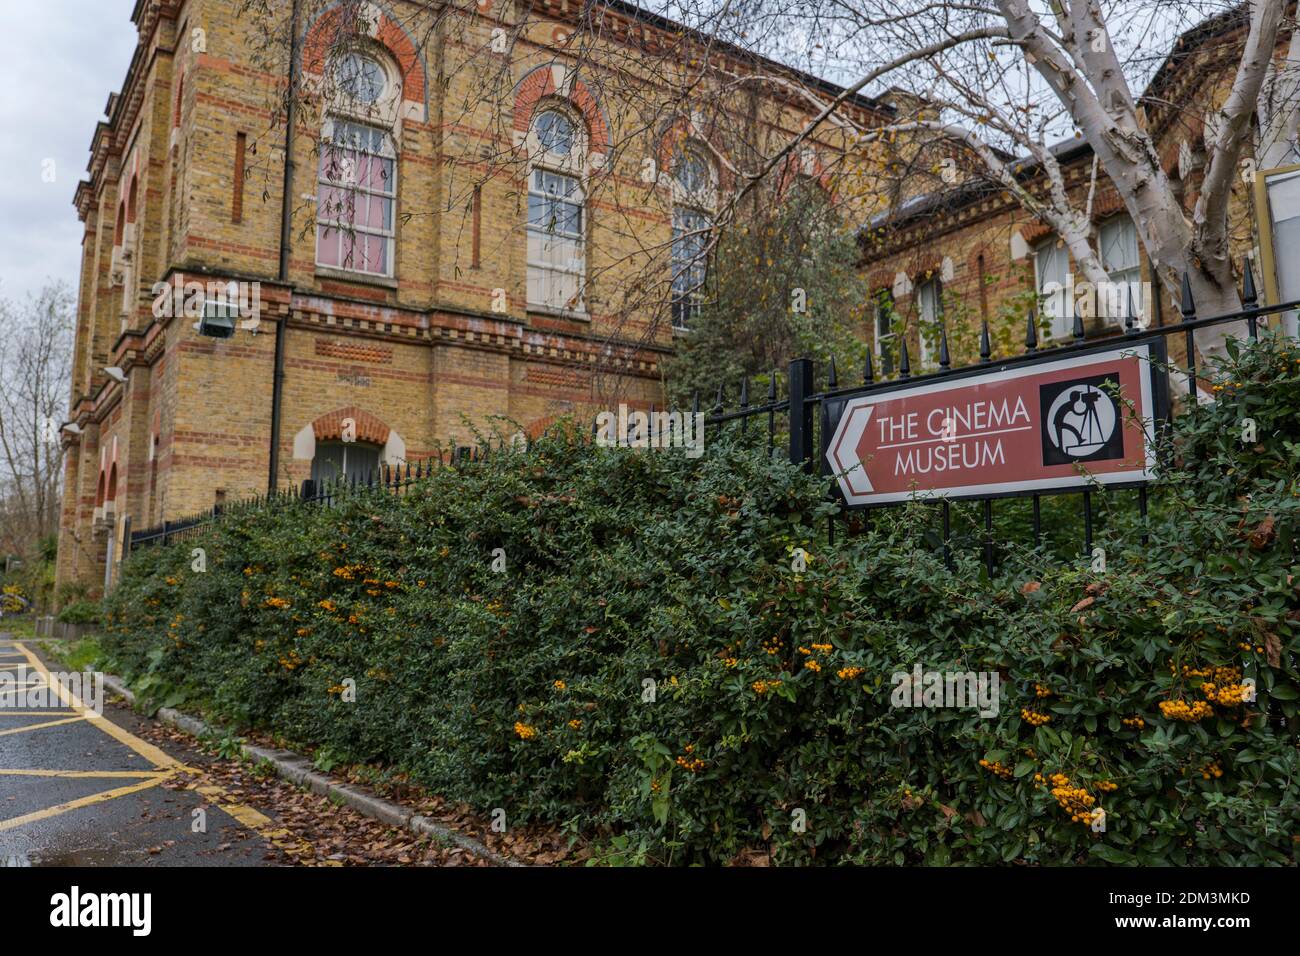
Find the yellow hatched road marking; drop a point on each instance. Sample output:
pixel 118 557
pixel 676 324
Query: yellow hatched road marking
pixel 48 723
pixel 166 766
pixel 126 774
pixel 148 751
pixel 94 798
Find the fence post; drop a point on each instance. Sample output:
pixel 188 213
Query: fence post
pixel 126 538
pixel 166 531
pixel 308 489
pixel 801 418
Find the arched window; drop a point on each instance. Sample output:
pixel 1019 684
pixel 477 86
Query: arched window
pixel 557 263
pixel 356 190
pixel 694 200
pixel 346 460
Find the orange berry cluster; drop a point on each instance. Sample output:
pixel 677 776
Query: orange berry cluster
pixel 763 686
pixel 1076 801
pixel 812 665
pixel 1258 649
pixel 1133 723
pixel 1040 691
pixel 848 673
pixel 1212 769
pixel 1181 710
pixel 771 645
pixel 1033 717
pixel 1225 695
pixel 689 763
pixel 994 767
pixel 524 731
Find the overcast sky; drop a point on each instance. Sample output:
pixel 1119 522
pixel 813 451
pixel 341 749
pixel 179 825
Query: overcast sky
pixel 59 60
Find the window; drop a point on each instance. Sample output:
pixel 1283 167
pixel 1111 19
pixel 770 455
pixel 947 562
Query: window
pixel 690 265
pixel 555 132
pixel 557 265
pixel 929 312
pixel 1051 272
pixel 356 196
pixel 1118 249
pixel 886 335
pixel 694 194
pixel 360 79
pixel 346 460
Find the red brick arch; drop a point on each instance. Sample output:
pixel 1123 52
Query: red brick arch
pixel 325 30
pixel 329 427
pixel 539 83
pixel 680 132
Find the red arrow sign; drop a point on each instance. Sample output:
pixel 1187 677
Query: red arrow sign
pixel 1050 426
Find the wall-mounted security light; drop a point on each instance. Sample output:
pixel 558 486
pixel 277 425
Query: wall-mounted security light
pixel 72 428
pixel 115 373
pixel 218 319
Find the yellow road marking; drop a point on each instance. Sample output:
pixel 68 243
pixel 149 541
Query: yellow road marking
pixel 148 751
pixel 48 723
pixel 83 802
pixel 166 766
pixel 127 774
pixel 258 822
pixel 4 712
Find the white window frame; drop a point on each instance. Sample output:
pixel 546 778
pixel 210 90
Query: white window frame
pixel 1056 305
pixel 1125 275
pixel 882 305
pixel 543 269
pixel 695 201
pixel 929 312
pixel 379 115
pixel 336 226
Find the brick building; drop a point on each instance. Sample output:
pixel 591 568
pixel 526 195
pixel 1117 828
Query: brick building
pixel 955 256
pixel 483 218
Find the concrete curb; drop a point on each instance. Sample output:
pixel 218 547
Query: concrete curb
pixel 298 769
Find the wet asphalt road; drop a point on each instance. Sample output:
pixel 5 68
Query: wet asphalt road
pixel 80 789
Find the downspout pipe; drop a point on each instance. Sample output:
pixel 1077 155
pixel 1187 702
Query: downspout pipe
pixel 286 236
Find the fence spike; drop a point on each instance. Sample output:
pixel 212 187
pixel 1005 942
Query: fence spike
pixel 1031 333
pixel 832 379
pixel 1130 320
pixel 945 359
pixel 904 363
pixel 868 374
pixel 1249 297
pixel 986 348
pixel 1188 306
pixel 771 387
pixel 744 392
pixel 718 404
pixel 1078 326
pixel 695 403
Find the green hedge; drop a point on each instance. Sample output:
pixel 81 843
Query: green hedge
pixel 526 689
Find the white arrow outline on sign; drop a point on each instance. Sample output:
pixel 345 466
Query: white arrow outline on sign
pixel 849 433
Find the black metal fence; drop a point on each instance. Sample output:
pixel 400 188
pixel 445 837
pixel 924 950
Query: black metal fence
pixel 393 479
pixel 806 418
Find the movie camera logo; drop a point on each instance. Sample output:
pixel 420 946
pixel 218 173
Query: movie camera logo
pixel 1081 420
